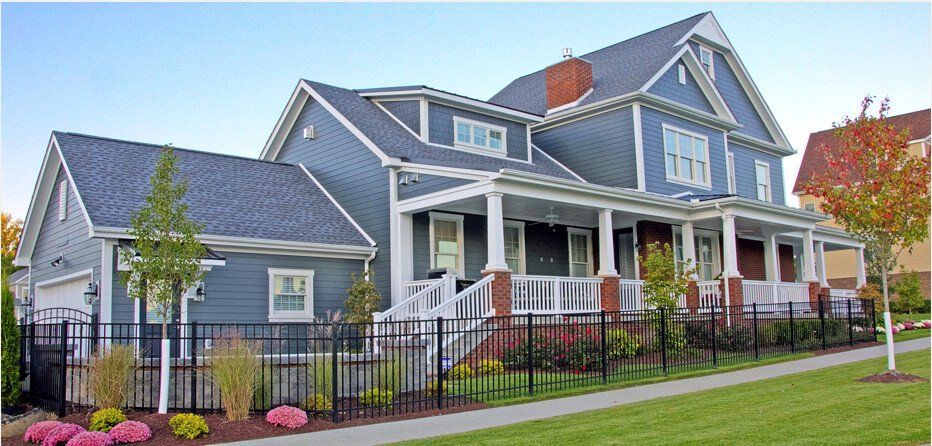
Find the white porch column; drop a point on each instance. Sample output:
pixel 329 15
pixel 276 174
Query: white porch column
pixel 820 264
pixel 809 273
pixel 771 258
pixel 689 246
pixel 861 276
pixel 401 239
pixel 606 244
pixel 730 264
pixel 496 233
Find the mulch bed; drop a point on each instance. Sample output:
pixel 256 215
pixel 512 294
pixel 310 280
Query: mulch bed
pixel 892 377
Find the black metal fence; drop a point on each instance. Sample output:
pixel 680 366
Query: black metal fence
pixel 345 371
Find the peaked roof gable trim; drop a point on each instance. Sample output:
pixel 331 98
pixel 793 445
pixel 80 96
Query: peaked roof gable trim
pixel 702 78
pixel 337 204
pixel 453 100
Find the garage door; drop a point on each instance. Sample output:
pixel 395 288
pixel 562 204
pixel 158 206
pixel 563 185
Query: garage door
pixel 68 294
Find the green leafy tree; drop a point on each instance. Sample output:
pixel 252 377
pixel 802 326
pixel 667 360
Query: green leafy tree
pixel 908 290
pixel 10 231
pixel 664 282
pixel 362 299
pixel 10 349
pixel 876 190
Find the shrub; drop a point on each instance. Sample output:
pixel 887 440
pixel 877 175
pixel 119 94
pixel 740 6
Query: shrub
pixel 287 416
pixel 489 367
pixel 908 291
pixel 235 368
pixel 111 373
pixel 318 402
pixel 104 419
pixel 9 360
pixel 130 432
pixel 188 425
pixel 431 389
pixel 734 338
pixel 809 332
pixel 376 397
pixel 38 431
pixel 90 439
pixel 460 371
pixel 61 434
pixel 549 353
pixel 584 355
pixel 619 344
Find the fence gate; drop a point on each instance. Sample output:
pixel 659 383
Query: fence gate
pixel 48 344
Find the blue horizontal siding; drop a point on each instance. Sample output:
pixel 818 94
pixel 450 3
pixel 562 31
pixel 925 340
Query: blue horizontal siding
pixel 441 128
pixel 690 94
pixel 746 177
pixel 599 148
pixel 654 168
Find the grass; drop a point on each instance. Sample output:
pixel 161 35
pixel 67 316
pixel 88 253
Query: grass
pixel 827 406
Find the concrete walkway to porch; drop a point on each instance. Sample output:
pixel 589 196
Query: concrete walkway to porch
pixel 382 433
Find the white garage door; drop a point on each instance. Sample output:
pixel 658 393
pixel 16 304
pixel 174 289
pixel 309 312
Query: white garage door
pixel 68 294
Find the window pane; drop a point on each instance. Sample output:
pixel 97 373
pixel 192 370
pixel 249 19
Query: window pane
pixel 479 136
pixel 762 192
pixel 289 293
pixel 686 146
pixel 445 244
pixel 512 242
pixel 678 253
pixel 761 172
pixel 579 270
pixel 514 265
pixel 669 141
pixel 686 169
pixel 700 171
pixel 495 139
pixel 700 149
pixel 671 165
pixel 445 261
pixel 579 249
pixel 463 133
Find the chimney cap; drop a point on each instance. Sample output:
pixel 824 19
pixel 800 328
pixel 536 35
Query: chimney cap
pixel 567 53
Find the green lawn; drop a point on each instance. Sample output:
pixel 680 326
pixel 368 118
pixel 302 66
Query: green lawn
pixel 824 407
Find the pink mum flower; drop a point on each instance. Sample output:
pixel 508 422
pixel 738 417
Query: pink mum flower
pixel 61 434
pixel 130 432
pixel 38 431
pixel 90 439
pixel 287 416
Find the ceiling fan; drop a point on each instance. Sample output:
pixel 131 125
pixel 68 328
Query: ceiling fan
pixel 551 218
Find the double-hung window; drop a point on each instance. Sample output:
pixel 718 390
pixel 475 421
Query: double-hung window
pixel 762 172
pixel 478 135
pixel 686 156
pixel 706 255
pixel 291 294
pixel 580 241
pixel 707 57
pixel 446 241
pixel 514 246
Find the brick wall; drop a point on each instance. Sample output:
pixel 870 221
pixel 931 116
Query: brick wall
pixel 651 231
pixel 501 292
pixel 611 301
pixel 787 265
pixel 567 81
pixel 751 259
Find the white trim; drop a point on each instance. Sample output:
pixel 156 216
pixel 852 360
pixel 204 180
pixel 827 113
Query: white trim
pixel 706 84
pixel 570 231
pixel 453 172
pixel 66 278
pixel 711 69
pixel 106 280
pixel 455 101
pixel 337 204
pixel 554 160
pixel 460 239
pixel 674 178
pixel 285 121
pixel 639 147
pixel 570 104
pixel 530 150
pixel 424 120
pixel 62 200
pixel 759 144
pixel 292 316
pixel 730 166
pixel 757 183
pixel 522 253
pixel 489 129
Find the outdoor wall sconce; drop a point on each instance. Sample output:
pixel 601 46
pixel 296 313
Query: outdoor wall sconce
pixel 57 262
pixel 201 292
pixel 408 178
pixel 91 293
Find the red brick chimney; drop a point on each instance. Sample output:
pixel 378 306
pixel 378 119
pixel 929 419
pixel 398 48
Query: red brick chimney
pixel 568 80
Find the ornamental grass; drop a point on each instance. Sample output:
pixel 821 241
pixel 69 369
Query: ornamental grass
pixel 111 373
pixel 235 368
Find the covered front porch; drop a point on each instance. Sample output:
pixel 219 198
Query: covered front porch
pixel 569 248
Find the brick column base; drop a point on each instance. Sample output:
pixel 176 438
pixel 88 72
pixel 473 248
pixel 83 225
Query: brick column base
pixel 814 290
pixel 692 296
pixel 735 292
pixel 611 299
pixel 501 291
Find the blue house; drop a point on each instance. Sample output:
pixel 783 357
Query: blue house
pixel 540 199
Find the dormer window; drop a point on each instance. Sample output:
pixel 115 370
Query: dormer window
pixel 478 135
pixel 707 57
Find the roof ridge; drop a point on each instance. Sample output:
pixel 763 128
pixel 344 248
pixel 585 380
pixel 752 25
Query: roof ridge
pixel 183 149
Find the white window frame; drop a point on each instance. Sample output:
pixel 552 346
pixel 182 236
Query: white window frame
pixel 673 177
pixel 522 257
pixel 711 68
pixel 757 183
pixel 461 258
pixel 472 123
pixel 286 316
pixel 62 200
pixel 681 72
pixel 716 248
pixel 569 253
pixel 732 181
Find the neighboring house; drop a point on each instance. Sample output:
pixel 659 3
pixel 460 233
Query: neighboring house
pixel 839 264
pixel 544 195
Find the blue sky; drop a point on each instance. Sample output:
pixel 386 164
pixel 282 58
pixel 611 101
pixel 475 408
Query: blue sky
pixel 216 76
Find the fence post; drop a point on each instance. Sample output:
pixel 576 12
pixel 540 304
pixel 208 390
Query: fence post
pixel 334 398
pixel 873 315
pixel 792 330
pixel 63 371
pixel 530 353
pixel 439 360
pixel 756 341
pixel 714 340
pixel 850 329
pixel 822 321
pixel 194 367
pixel 95 332
pixel 663 339
pixel 604 342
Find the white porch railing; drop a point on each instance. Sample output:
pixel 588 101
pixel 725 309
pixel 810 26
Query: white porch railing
pixel 763 292
pixel 710 294
pixel 462 313
pixel 843 295
pixel 631 294
pixel 555 295
pixel 413 287
pixel 427 295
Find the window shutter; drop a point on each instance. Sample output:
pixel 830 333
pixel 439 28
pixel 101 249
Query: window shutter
pixel 63 200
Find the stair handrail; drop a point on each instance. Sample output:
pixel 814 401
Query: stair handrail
pixel 463 295
pixel 416 303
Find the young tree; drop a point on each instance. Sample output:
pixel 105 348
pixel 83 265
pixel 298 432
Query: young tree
pixel 10 349
pixel 362 299
pixel 877 191
pixel 168 254
pixel 10 231
pixel 664 282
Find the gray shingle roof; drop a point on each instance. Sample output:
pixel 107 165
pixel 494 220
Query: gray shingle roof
pixel 231 196
pixel 616 70
pixel 397 142
pixel 18 274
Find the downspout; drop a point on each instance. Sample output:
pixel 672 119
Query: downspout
pixel 366 266
pixel 727 283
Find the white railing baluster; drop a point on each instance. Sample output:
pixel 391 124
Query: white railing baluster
pixel 555 295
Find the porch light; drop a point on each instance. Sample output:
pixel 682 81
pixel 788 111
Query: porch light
pixel 91 293
pixel 57 262
pixel 201 292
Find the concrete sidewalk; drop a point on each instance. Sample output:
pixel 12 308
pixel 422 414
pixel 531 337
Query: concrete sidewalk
pixel 382 433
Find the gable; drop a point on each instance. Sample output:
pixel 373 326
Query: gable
pixel 408 112
pixel 689 94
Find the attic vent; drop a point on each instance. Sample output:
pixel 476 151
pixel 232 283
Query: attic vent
pixel 309 132
pixel 682 74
